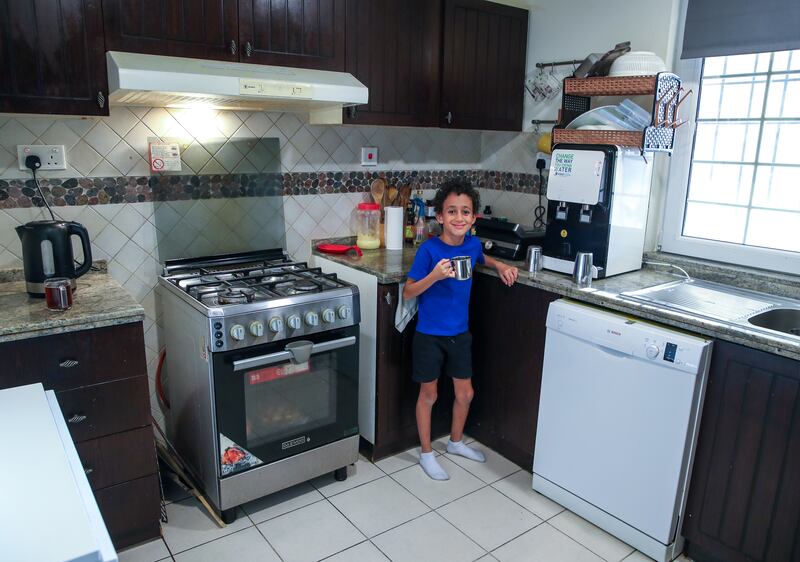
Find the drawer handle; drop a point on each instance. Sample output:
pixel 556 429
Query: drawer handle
pixel 76 418
pixel 68 363
pixel 88 471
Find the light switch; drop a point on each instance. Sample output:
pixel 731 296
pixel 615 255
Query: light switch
pixel 369 155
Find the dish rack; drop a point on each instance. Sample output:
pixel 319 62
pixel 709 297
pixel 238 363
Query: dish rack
pixel 665 87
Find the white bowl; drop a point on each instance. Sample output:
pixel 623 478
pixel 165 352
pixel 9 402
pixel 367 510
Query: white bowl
pixel 637 63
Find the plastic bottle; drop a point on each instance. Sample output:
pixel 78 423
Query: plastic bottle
pixel 420 232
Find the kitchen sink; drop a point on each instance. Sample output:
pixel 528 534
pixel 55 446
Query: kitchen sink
pixel 781 319
pixel 730 305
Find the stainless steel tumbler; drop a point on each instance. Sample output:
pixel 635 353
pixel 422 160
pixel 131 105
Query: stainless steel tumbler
pixel 533 260
pixel 582 273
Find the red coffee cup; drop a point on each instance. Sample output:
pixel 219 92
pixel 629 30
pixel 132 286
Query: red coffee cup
pixel 58 293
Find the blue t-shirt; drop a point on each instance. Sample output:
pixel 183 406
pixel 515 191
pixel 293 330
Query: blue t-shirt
pixel 444 306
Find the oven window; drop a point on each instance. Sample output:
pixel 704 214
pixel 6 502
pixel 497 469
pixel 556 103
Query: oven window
pixel 282 400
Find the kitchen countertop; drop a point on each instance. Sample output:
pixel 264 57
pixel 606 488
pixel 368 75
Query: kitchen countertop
pixel 392 267
pixel 98 301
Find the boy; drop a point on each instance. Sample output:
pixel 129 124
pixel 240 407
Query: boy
pixel 442 341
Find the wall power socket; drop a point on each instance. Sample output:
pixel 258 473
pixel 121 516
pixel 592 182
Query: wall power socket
pixel 53 156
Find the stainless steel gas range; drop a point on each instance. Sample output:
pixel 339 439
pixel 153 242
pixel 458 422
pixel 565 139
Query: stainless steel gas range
pixel 262 372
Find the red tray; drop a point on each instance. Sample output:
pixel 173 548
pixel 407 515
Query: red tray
pixel 338 249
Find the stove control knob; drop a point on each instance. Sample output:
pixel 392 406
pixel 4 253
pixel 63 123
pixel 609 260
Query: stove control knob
pixel 344 312
pixel 237 332
pixel 652 351
pixel 312 319
pixel 328 315
pixel 257 328
pixel 294 322
pixel 275 325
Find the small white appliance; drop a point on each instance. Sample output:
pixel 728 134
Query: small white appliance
pixel 159 81
pixel 620 407
pixel 597 202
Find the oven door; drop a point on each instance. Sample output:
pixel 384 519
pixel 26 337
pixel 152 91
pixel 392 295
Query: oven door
pixel 277 400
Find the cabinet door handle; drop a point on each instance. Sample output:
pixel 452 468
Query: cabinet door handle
pixel 233 47
pixel 68 364
pixel 76 419
pixel 449 118
pixel 389 299
pixel 101 99
pixel 351 112
pixel 88 471
pixel 248 49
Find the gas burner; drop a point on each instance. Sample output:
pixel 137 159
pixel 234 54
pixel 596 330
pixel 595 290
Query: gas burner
pixel 236 296
pixel 305 286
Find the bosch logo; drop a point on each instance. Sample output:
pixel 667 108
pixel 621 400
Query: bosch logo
pixel 614 332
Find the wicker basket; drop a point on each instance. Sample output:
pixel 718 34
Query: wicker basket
pixel 611 86
pixel 618 138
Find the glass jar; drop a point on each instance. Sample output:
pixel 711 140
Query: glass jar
pixel 368 223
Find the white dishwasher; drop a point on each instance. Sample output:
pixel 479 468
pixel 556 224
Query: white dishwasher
pixel 618 417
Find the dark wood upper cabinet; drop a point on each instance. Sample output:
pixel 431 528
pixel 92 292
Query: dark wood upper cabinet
pixel 206 29
pixel 483 66
pixel 394 48
pixel 52 58
pixel 298 33
pixel 744 496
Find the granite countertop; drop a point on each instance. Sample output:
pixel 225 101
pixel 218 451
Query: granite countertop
pixel 98 301
pixel 392 267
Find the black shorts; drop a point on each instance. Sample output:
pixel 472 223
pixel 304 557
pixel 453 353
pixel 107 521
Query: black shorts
pixel 434 355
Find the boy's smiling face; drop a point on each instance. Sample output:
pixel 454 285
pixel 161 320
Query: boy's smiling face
pixel 457 217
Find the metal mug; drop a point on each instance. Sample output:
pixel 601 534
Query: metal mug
pixel 462 266
pixel 582 273
pixel 533 260
pixel 58 293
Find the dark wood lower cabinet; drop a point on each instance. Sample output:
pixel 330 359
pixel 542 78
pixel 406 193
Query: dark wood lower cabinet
pixel 508 329
pixel 744 497
pixel 396 393
pixel 100 380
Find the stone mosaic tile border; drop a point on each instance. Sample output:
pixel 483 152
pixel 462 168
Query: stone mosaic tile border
pixel 99 191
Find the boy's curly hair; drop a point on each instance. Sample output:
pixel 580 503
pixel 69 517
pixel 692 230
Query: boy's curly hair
pixel 459 186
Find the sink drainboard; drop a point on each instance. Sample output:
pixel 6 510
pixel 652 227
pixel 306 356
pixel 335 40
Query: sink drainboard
pixel 701 297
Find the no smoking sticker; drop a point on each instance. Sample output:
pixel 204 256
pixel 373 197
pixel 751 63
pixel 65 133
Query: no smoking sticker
pixel 165 157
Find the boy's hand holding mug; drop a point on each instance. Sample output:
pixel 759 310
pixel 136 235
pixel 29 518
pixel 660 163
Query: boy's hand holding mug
pixel 443 270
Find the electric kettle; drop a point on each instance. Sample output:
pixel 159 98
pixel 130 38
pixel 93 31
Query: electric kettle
pixel 47 252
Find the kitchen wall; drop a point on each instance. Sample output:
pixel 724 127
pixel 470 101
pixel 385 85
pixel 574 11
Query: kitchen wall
pixel 249 181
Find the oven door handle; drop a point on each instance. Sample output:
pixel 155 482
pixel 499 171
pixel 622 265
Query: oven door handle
pixel 283 356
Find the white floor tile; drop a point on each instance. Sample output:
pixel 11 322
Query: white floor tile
pixel 189 525
pixel 282 502
pixel 495 468
pixel 595 539
pixel 544 544
pixel 364 552
pixel 437 493
pixel 148 552
pixel 400 461
pixel 429 537
pixel 637 556
pixel 244 546
pixel 488 517
pixel 360 473
pixel 518 488
pixel 378 506
pixel 487 558
pixel 310 533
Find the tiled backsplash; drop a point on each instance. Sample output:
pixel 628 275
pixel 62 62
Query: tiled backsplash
pixel 292 182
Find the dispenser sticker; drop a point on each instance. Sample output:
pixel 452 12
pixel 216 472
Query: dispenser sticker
pixel 563 163
pixel 203 349
pixel 564 233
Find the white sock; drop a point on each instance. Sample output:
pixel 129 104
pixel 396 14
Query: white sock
pixel 432 467
pixel 459 448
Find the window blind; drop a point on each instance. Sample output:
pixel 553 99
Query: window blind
pixel 733 27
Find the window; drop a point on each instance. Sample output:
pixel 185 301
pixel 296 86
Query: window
pixel 741 184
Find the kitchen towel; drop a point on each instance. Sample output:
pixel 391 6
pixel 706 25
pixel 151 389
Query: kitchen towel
pixel 394 228
pixel 406 309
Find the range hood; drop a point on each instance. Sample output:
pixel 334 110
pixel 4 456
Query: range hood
pixel 158 81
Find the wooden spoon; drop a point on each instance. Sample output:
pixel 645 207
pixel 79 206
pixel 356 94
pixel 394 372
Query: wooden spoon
pixel 377 189
pixel 405 195
pixel 391 195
